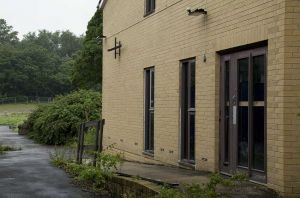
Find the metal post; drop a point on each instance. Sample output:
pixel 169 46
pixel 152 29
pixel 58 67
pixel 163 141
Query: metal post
pixel 79 144
pixel 101 135
pixel 82 144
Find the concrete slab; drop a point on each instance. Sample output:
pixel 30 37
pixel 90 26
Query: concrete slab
pixel 175 175
pixel 28 173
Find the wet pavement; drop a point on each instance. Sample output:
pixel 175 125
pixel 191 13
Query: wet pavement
pixel 28 173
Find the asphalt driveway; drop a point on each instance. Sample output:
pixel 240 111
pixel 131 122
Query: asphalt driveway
pixel 28 172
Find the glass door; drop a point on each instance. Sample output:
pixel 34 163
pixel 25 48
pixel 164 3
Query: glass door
pixel 242 112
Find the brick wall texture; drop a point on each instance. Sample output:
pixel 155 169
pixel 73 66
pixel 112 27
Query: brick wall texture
pixel 169 35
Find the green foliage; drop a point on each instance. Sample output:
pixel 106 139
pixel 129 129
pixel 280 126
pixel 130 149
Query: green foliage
pixel 57 123
pixel 4 149
pixel 7 35
pixel 202 191
pixel 97 177
pixel 107 162
pixel 169 193
pixel 87 70
pixel 39 65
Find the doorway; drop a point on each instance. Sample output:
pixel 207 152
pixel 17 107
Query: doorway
pixel 243 113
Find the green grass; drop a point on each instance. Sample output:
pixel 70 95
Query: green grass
pixel 13 119
pixel 17 108
pixel 15 114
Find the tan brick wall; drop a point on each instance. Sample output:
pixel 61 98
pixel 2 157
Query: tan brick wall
pixel 170 35
pixel 291 100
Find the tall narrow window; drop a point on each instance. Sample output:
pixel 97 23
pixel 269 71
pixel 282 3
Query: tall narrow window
pixel 149 110
pixel 188 96
pixel 149 6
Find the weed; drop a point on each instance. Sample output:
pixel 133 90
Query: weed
pixel 202 191
pixel 4 149
pixel 96 177
pixel 169 193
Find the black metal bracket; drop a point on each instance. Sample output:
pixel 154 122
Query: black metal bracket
pixel 117 48
pixel 197 11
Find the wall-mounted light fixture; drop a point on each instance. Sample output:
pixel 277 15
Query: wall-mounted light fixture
pixel 99 38
pixel 196 12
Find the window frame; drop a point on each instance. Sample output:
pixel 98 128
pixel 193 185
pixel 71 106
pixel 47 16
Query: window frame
pixel 187 111
pixel 149 104
pixel 150 6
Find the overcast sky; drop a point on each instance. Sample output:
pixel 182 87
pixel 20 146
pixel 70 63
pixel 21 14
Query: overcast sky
pixel 32 15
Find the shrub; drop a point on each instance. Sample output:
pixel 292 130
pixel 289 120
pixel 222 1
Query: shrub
pixel 57 123
pixel 202 191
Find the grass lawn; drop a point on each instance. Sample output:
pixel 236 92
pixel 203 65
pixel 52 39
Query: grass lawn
pixel 15 114
pixel 13 119
pixel 16 108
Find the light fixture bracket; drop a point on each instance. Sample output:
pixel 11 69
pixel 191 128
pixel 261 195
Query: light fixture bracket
pixel 196 12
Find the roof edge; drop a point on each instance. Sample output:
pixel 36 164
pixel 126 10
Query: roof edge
pixel 101 4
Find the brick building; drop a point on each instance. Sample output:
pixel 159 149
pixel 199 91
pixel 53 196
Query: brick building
pixel 212 85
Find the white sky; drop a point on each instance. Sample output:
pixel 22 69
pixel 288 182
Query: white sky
pixel 32 15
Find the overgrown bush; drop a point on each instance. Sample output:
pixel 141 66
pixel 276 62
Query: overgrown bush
pixel 57 123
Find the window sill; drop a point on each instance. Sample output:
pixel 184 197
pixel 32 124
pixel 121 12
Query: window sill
pixel 148 154
pixel 187 164
pixel 149 13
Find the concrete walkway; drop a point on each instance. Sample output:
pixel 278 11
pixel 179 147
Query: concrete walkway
pixel 174 175
pixel 28 174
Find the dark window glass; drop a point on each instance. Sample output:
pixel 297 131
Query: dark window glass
pixel 151 134
pixel 243 79
pixel 226 124
pixel 152 89
pixel 259 78
pixel 192 85
pixel 243 137
pixel 258 138
pixel 227 81
pixel 149 110
pixel 150 6
pixel 188 110
pixel 192 136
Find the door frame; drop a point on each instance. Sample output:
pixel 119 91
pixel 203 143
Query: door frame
pixel 232 166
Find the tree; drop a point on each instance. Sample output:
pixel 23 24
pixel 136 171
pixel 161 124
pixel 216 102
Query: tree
pixel 87 70
pixel 7 35
pixel 38 65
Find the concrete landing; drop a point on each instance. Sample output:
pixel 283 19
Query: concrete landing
pixel 174 175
